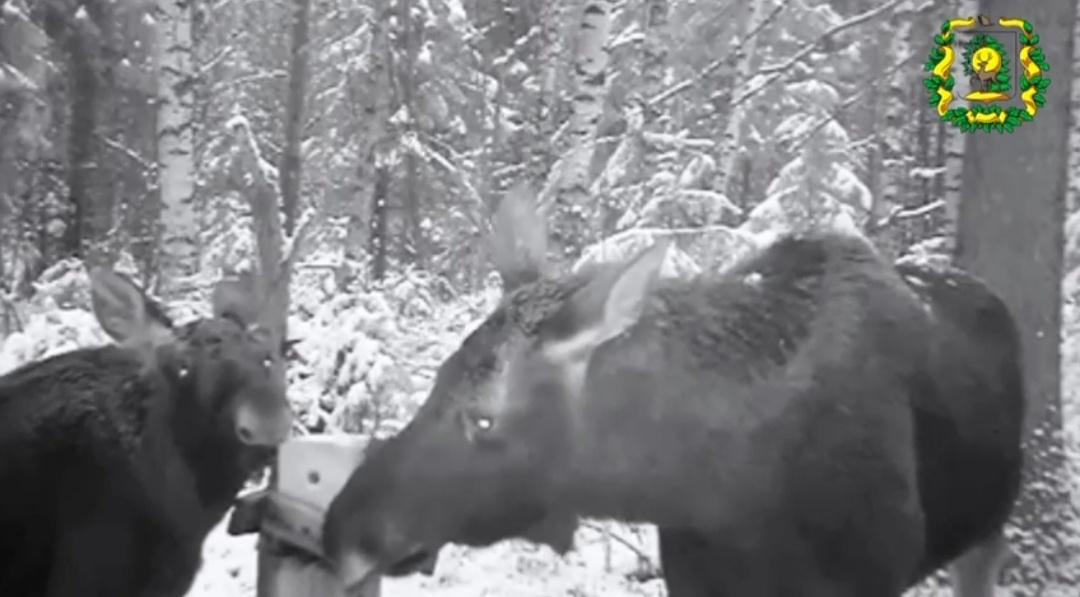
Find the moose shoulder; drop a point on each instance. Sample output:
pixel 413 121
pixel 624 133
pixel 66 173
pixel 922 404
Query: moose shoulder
pixel 118 460
pixel 770 421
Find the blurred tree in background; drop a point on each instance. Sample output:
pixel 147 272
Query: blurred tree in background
pixel 714 119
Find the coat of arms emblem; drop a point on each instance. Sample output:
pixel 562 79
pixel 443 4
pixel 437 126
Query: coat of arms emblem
pixel 1003 83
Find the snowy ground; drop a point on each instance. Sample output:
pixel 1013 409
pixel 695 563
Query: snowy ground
pixel 511 569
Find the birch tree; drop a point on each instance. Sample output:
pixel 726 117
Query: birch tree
pixel 952 142
pixel 176 164
pixel 745 47
pixel 590 73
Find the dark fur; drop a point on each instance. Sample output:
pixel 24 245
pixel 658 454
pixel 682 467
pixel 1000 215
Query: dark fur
pixel 762 419
pixel 969 414
pixel 113 468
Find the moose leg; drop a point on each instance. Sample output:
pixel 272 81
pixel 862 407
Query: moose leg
pixel 975 573
pixel 695 566
pixel 687 559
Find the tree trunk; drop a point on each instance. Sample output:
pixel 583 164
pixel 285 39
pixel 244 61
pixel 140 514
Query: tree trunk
pixel 1010 233
pixel 746 183
pixel 874 151
pixel 893 127
pixel 654 53
pixel 82 124
pixel 24 119
pixel 294 115
pixel 379 214
pixel 277 248
pixel 922 150
pixel 590 70
pixel 176 138
pixel 941 181
pixel 953 141
pixel 744 49
pixel 1074 135
pixel 413 240
pixel 371 94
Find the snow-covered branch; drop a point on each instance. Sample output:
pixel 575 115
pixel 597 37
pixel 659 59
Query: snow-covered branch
pixel 848 102
pixel 719 62
pixel 776 72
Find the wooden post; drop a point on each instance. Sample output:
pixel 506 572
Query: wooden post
pixel 288 516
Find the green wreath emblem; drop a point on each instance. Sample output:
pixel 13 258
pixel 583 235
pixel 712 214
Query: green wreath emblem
pixel 940 83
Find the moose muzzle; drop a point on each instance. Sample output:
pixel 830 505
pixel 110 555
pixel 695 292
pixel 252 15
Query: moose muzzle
pixel 262 426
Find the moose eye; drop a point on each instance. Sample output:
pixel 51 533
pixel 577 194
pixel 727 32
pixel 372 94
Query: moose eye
pixel 267 363
pixel 479 427
pixel 183 372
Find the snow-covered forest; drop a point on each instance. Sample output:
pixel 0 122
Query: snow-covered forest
pixel 357 149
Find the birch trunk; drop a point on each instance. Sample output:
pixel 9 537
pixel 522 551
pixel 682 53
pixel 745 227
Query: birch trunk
pixel 954 154
pixel 893 150
pixel 590 69
pixel 590 73
pixel 745 49
pixel 176 163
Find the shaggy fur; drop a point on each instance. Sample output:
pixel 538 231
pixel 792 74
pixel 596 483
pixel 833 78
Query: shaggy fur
pixel 115 463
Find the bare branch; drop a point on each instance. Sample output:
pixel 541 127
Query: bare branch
pixel 296 242
pixel 906 213
pixel 778 71
pixel 643 557
pixel 126 151
pixel 719 62
pixel 249 78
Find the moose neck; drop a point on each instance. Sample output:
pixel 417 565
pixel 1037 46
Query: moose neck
pixel 676 405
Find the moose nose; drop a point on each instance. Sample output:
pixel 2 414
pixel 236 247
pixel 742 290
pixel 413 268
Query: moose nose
pixel 256 427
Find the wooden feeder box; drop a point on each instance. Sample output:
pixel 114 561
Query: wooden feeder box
pixel 288 516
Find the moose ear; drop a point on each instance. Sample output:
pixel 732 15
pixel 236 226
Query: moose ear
pixel 607 306
pixel 124 311
pixel 519 242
